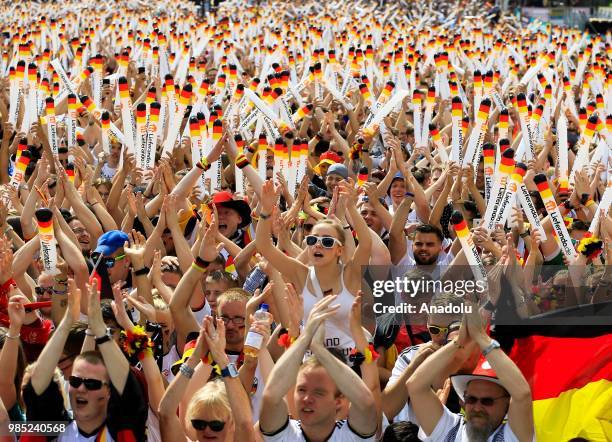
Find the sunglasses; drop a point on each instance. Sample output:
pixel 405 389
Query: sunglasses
pixel 436 330
pixel 485 401
pixel 90 384
pixel 42 290
pixel 110 262
pixel 327 242
pixel 201 425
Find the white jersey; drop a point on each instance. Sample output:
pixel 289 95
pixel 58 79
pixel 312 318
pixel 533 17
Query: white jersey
pixel 451 428
pixel 337 329
pixel 292 432
pixel 167 360
pixel 72 434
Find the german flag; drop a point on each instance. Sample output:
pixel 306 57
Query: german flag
pixel 569 369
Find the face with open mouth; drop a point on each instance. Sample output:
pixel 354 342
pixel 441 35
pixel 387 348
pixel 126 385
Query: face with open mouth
pixel 316 397
pixel 318 253
pixel 229 220
pixel 89 404
pixel 398 190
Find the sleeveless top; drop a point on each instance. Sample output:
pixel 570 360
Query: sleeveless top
pixel 337 329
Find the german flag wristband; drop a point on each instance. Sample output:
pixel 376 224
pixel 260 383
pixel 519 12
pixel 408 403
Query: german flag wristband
pixel 241 161
pixel 203 164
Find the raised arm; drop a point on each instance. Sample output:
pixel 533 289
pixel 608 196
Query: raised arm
pixel 274 412
pixel 362 413
pixel 397 237
pixel 520 412
pixel 238 400
pixel 295 270
pixel 50 355
pixel 116 364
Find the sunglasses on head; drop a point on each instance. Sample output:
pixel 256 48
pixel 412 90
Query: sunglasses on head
pixel 327 242
pixel 90 384
pixel 485 401
pixel 42 290
pixel 201 425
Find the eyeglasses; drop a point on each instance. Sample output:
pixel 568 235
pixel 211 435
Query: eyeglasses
pixel 307 227
pixel 79 232
pixel 436 330
pixel 238 320
pixel 201 425
pixel 42 290
pixel 110 262
pixel 90 384
pixel 326 241
pixel 485 401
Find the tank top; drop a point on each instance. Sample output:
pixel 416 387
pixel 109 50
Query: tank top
pixel 337 329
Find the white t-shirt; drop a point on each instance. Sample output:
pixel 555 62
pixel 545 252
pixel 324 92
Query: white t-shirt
pixel 292 432
pixel 108 172
pixel 451 428
pixel 167 361
pixel 72 434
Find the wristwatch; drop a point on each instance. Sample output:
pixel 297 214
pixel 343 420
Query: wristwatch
pixel 492 346
pixel 230 371
pixel 104 338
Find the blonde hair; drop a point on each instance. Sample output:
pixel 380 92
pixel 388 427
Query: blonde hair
pixel 158 302
pixel 213 398
pixel 335 225
pixel 235 294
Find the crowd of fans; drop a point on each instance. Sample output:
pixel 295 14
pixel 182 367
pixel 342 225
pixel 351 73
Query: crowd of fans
pixel 224 290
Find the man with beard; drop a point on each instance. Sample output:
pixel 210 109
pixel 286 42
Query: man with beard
pixel 496 389
pixel 428 249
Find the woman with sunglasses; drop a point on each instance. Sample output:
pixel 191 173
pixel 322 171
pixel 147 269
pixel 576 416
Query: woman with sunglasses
pixel 220 409
pixel 327 273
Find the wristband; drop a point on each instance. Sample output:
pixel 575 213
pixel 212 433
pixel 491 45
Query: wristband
pixel 104 338
pixel 492 346
pixel 241 161
pixel 201 263
pixel 186 371
pixel 203 164
pixel 8 336
pixel 197 267
pixel 409 194
pixel 143 271
pixel 525 234
pixel 589 203
pixel 262 216
pixel 347 227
